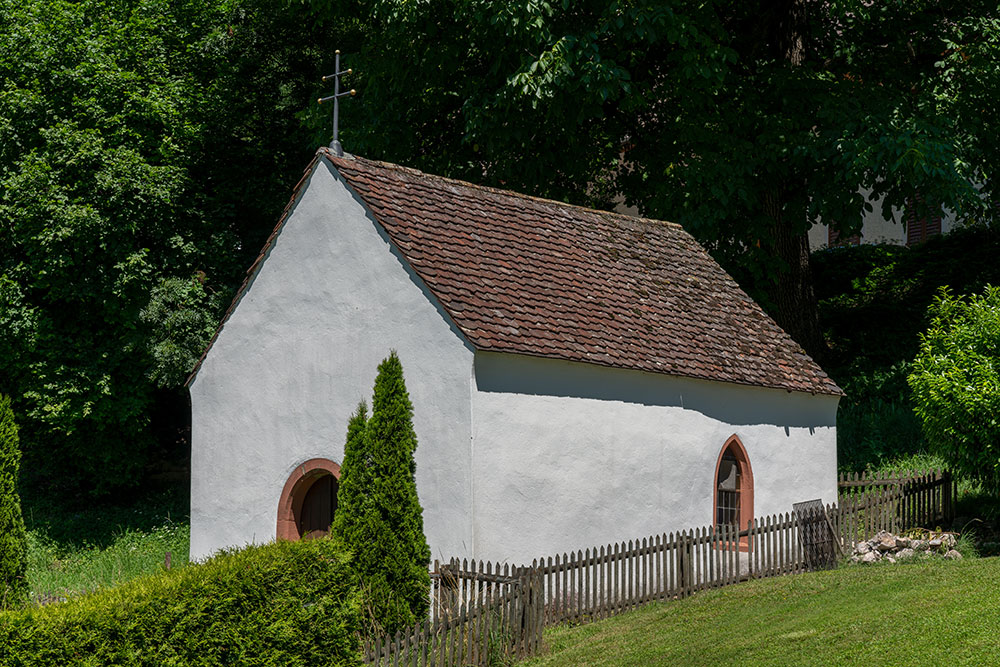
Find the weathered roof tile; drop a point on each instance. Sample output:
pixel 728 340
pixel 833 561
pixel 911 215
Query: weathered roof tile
pixel 532 276
pixel 537 277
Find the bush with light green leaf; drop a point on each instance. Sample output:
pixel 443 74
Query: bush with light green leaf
pixel 287 603
pixel 956 384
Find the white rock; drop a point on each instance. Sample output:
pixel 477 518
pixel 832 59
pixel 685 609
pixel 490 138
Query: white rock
pixel 906 553
pixel 869 557
pixel 886 543
pixel 953 555
pixel 862 548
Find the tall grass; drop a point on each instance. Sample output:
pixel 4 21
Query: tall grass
pixel 76 545
pixel 59 570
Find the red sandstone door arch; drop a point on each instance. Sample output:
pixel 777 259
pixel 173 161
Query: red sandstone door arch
pixel 308 500
pixel 732 491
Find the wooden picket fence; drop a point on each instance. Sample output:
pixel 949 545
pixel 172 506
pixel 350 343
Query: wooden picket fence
pixel 467 581
pixel 497 621
pixel 482 611
pixel 873 502
pixel 596 583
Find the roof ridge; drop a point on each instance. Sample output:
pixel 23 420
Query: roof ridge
pixel 677 313
pixel 624 217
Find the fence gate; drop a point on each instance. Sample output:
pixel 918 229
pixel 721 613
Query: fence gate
pixel 819 543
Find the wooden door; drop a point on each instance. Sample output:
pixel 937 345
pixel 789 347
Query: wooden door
pixel 318 507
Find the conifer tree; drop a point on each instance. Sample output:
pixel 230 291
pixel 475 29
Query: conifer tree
pixel 13 541
pixel 378 512
pixel 354 487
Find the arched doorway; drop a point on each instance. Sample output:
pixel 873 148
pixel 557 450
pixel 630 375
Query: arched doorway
pixel 308 500
pixel 733 488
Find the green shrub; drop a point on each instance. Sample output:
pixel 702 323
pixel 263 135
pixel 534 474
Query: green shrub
pixel 286 603
pixel 13 539
pixel 378 513
pixel 873 302
pixel 956 384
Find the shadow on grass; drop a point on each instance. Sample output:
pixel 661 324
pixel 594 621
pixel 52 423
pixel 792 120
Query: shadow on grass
pixel 76 523
pixel 977 513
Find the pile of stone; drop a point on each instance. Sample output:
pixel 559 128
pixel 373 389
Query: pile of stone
pixel 888 547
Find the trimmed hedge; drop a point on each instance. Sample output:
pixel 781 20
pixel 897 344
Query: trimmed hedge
pixel 286 603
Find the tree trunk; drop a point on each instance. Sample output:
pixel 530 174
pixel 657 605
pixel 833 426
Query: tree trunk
pixel 796 309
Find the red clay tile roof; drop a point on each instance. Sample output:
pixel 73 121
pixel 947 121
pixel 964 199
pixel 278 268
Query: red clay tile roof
pixel 538 277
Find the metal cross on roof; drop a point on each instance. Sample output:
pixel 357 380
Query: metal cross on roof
pixel 335 144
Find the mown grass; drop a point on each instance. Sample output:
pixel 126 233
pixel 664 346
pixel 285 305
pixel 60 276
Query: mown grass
pixel 924 612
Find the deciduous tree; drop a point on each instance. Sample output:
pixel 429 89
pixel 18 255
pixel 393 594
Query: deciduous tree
pixel 146 149
pixel 746 122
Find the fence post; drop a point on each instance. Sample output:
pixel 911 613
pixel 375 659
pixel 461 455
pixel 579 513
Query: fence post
pixel 947 489
pixel 688 553
pixel 897 525
pixel 679 564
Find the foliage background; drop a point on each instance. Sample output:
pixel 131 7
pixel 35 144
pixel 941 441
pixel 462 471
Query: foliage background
pixel 874 302
pixel 145 148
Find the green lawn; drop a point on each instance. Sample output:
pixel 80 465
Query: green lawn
pixel 939 612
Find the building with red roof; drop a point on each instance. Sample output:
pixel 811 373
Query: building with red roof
pixel 578 376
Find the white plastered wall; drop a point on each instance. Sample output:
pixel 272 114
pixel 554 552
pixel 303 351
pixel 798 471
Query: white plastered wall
pixel 299 352
pixel 569 456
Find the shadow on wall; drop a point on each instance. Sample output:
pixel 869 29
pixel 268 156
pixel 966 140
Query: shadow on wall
pixel 730 403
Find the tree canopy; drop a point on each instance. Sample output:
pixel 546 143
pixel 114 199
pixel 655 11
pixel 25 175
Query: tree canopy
pixel 745 122
pixel 145 150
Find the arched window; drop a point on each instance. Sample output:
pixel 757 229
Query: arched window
pixel 733 492
pixel 308 500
